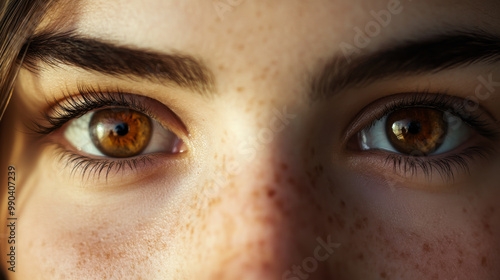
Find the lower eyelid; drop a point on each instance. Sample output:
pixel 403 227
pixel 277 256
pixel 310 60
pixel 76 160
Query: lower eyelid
pixel 433 173
pixel 95 169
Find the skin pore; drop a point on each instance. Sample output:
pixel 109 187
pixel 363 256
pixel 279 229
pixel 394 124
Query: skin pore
pixel 267 176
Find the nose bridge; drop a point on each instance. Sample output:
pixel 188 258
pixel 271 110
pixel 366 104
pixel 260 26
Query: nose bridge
pixel 266 208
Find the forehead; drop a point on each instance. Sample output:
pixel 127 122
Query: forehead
pixel 254 36
pixel 279 25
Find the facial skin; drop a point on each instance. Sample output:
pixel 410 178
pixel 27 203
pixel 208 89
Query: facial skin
pixel 256 192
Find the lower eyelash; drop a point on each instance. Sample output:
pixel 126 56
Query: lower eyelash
pixel 446 167
pixel 91 167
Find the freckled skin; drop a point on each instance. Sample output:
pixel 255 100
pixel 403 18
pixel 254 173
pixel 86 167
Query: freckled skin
pixel 252 195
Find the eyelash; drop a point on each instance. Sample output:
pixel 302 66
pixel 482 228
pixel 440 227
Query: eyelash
pixel 445 166
pixel 91 98
pixel 91 167
pixel 439 101
pixel 70 108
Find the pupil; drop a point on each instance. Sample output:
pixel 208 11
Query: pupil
pixel 414 128
pixel 121 129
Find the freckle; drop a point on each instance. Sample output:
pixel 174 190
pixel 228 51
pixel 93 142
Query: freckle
pixel 483 261
pixel 318 169
pixel 319 207
pixel 279 204
pixel 383 274
pixel 240 89
pixel 486 227
pixel 313 151
pixel 240 47
pixel 342 204
pixel 284 166
pixel 464 210
pixel 255 193
pixel 291 181
pixel 404 255
pixel 426 247
pixel 360 256
pixel 330 219
pixel 271 193
pixel 340 221
pixel 358 224
pixel 277 178
pixel 221 67
pixel 460 262
pixel 312 179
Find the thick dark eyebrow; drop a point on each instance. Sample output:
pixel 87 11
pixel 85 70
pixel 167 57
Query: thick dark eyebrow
pixel 431 55
pixel 104 57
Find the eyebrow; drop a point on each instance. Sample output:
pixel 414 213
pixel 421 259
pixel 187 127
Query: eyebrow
pixel 116 60
pixel 434 54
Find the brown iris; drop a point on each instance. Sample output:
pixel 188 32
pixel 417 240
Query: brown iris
pixel 416 131
pixel 120 132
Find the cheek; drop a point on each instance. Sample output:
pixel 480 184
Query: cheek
pixel 404 234
pixel 65 238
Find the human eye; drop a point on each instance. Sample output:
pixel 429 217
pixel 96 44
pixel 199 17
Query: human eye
pixel 100 131
pixel 418 134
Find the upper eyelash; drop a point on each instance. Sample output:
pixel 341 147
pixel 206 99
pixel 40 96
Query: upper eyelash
pixel 442 102
pixel 89 99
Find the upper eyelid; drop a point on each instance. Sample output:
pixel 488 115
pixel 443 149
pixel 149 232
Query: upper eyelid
pixel 91 98
pixel 61 111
